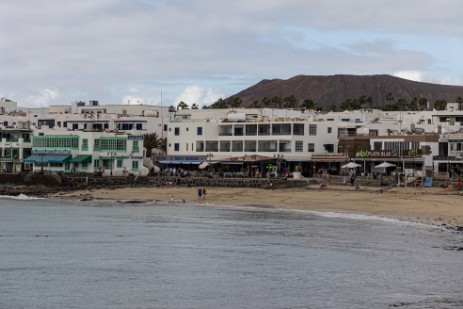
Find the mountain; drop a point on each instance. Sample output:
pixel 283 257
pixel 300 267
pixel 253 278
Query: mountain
pixel 327 91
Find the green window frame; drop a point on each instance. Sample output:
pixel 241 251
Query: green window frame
pixel 106 144
pixel 135 146
pixel 96 164
pixel 135 166
pixel 120 163
pixel 70 142
pixel 85 144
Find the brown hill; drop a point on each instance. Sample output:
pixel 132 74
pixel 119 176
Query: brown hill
pixel 327 91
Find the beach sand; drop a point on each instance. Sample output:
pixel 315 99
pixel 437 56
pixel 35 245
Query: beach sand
pixel 427 205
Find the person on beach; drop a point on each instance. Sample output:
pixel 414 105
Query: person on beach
pixel 459 184
pixel 171 199
pixel 200 193
pixel 204 193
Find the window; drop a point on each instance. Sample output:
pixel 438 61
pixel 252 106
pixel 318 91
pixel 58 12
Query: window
pixel 237 146
pixel 177 131
pixel 56 142
pixel 329 148
pixel 120 163
pixel 311 147
pixel 312 129
pixel 110 144
pixel 199 130
pixel 96 164
pixel 298 146
pixel 85 144
pixel 135 146
pixel 135 166
pixel 329 130
pixel 377 146
pixel 176 147
pixel 298 129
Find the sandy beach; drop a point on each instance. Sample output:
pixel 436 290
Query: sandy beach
pixel 428 205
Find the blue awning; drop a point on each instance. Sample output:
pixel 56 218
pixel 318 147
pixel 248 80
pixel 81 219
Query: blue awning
pixel 179 162
pixel 47 158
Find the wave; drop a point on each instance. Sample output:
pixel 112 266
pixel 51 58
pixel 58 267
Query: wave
pixel 21 196
pixel 370 217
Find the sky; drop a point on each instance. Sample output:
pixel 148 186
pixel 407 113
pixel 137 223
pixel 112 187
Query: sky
pixel 54 52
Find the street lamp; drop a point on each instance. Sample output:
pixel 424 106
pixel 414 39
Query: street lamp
pixel 112 156
pixel 209 157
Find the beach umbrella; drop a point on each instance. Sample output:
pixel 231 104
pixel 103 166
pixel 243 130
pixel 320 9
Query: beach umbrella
pixel 384 165
pixel 351 165
pixel 203 165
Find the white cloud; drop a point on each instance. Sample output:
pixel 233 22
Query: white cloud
pixel 132 100
pixel 417 76
pixel 199 95
pixel 111 49
pixel 45 97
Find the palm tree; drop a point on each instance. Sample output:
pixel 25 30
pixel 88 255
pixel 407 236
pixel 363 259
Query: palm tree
pixel 308 104
pixel 440 105
pixel 423 103
pixel 234 102
pixel 153 141
pixel 182 105
pixel 266 102
pixel 289 102
pixel 276 100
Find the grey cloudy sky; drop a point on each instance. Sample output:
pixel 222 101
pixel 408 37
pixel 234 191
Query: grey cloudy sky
pixel 59 51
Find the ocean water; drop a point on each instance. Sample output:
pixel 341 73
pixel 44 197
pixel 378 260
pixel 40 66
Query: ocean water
pixel 102 254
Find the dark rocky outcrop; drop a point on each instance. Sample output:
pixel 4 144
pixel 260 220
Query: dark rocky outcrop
pixel 326 91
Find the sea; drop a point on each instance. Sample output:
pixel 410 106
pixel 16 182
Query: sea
pixel 58 253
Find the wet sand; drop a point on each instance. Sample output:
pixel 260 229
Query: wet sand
pixel 427 205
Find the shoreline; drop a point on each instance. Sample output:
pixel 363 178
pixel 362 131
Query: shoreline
pixel 434 206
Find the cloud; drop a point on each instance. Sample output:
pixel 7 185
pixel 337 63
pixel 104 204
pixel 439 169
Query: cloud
pixel 417 76
pixel 44 97
pixel 107 50
pixel 196 94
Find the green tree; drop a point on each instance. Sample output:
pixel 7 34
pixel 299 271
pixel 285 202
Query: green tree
pixel 276 101
pixel 194 106
pixel 153 141
pixel 401 104
pixel 369 101
pixel 266 102
pixel 308 104
pixel 289 102
pixel 414 104
pixel 440 105
pixel 234 102
pixel 346 105
pixel 220 103
pixel 255 104
pixel 182 105
pixel 389 99
pixel 423 103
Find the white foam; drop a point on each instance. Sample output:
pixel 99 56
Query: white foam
pixel 21 197
pixel 367 217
